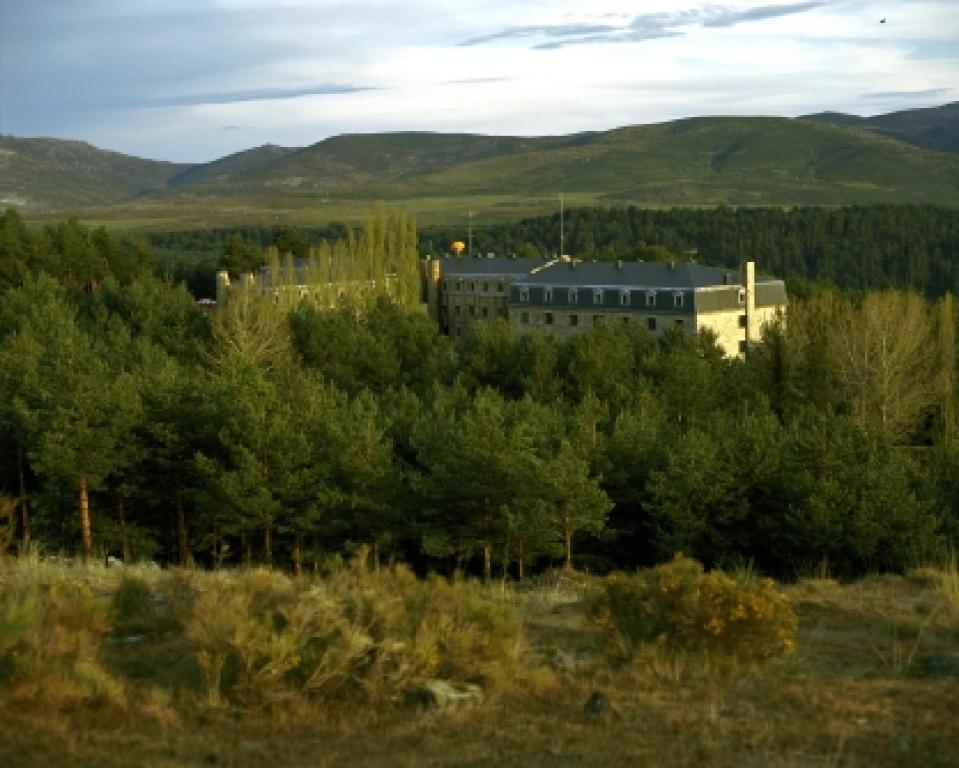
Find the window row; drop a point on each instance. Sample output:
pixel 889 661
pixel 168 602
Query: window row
pixel 473 286
pixel 573 320
pixel 625 296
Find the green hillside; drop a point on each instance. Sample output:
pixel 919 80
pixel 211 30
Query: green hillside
pixel 698 161
pixel 930 128
pixel 351 161
pixel 232 166
pixel 733 160
pixel 53 173
pixel 740 161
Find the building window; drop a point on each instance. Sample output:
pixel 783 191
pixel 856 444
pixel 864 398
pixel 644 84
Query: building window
pixel 485 311
pixel 651 323
pixel 679 323
pixel 650 298
pixel 598 296
pixel 499 287
pixel 624 298
pixel 742 296
pixel 742 347
pixel 548 295
pixel 456 309
pixel 678 300
pixel 548 318
pixel 473 287
pixel 573 296
pixel 524 294
pixel 626 321
pixel 524 317
pixel 472 310
pixel 459 285
pixel 742 321
pixel 485 287
pixel 573 321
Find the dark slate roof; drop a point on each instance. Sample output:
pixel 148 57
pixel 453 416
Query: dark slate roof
pixel 770 292
pixel 483 265
pixel 634 274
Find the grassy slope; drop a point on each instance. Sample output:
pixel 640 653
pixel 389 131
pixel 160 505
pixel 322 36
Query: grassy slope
pixel 872 682
pixel 438 177
pixel 231 166
pixel 57 173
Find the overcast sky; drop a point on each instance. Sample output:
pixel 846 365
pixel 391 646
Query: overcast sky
pixel 192 80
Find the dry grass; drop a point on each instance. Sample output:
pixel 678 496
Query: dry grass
pixel 872 680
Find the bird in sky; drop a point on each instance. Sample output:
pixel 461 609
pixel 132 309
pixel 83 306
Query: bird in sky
pixel 882 21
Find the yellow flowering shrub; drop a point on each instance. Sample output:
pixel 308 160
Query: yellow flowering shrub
pixel 678 605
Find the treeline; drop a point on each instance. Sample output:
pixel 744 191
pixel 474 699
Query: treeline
pixel 907 247
pixel 131 423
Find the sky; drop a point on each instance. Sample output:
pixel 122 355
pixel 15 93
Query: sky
pixel 193 80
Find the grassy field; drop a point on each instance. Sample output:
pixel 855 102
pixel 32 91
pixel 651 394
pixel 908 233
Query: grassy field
pixel 208 213
pixel 103 669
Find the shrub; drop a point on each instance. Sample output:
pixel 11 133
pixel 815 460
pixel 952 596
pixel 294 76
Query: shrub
pixel 680 606
pixel 134 609
pixel 354 634
pixel 52 630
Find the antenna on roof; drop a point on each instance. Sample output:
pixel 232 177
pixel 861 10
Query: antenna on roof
pixel 561 226
pixel 471 233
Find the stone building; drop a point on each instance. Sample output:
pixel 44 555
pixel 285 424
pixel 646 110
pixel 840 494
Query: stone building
pixel 565 297
pixel 461 290
pixel 291 281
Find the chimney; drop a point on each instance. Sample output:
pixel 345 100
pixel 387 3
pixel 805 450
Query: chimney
pixel 749 283
pixel 222 286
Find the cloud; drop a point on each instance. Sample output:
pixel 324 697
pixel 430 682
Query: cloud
pixel 926 93
pixel 476 81
pixel 644 26
pixel 256 94
pixel 549 30
pixel 728 18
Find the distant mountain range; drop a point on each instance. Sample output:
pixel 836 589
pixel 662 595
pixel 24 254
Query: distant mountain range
pixel 827 158
pixel 932 128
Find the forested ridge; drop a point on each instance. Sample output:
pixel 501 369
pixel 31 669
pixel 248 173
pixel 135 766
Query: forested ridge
pixel 132 423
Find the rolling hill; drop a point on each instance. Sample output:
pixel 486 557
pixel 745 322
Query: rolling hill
pixel 698 161
pixel 930 128
pixel 53 173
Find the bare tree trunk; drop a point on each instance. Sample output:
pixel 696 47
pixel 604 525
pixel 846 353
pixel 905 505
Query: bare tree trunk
pixel 376 556
pixel 126 552
pixel 182 537
pixel 568 541
pixel 522 558
pixel 86 529
pixel 487 562
pixel 297 554
pixel 24 504
pixel 268 543
pixel 247 550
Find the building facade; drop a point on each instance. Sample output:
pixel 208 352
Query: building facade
pixel 562 297
pixel 462 290
pixel 568 297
